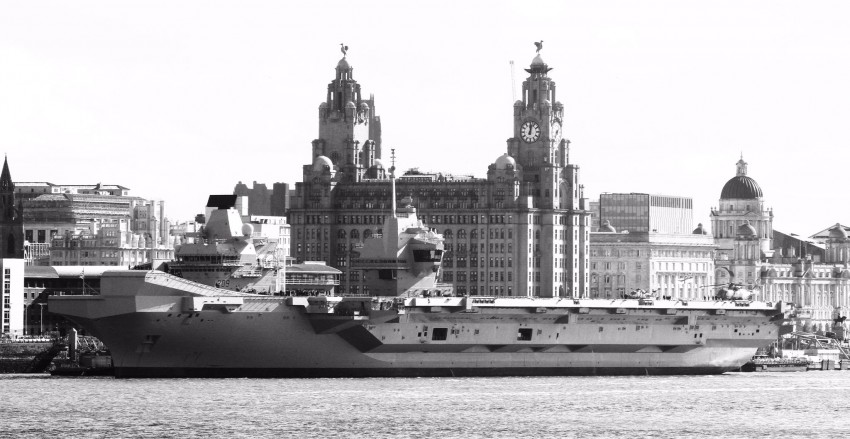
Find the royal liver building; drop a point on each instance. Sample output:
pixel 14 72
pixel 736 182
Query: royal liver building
pixel 521 231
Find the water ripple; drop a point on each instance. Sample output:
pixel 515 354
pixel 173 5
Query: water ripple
pixel 732 405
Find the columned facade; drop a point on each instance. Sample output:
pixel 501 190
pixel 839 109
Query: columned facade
pixel 743 231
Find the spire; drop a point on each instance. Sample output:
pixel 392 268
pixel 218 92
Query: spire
pixel 6 183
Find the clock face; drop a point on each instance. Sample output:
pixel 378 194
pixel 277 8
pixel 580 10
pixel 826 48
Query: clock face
pixel 530 131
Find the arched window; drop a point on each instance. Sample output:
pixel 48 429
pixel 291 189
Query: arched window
pixel 355 234
pixel 461 234
pixel 367 234
pixel 473 233
pixel 340 234
pixel 447 234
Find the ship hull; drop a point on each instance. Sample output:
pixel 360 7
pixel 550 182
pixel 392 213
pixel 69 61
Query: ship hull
pixel 169 333
pixel 286 342
pixel 287 346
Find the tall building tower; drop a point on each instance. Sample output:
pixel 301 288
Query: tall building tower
pixel 349 131
pixel 558 223
pixel 11 218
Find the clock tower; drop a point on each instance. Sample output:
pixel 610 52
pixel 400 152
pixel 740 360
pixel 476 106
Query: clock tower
pixel 537 145
pixel 556 219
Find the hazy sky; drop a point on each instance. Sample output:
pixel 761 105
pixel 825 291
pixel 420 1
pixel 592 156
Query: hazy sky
pixel 177 100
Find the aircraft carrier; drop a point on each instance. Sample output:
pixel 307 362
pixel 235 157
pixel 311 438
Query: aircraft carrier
pixel 161 325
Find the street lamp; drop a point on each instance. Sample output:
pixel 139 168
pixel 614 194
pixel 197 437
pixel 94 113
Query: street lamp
pixel 41 319
pixel 25 318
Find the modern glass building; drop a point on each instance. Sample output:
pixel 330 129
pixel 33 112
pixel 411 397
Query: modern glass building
pixel 647 213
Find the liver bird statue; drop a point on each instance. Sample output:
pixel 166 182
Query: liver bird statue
pixel 539 45
pixel 344 49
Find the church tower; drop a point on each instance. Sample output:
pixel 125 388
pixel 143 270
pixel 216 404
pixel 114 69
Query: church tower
pixel 349 130
pixel 11 218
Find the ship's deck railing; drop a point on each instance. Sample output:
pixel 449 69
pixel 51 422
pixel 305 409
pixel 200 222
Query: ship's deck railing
pixel 26 339
pixel 184 264
pixel 312 282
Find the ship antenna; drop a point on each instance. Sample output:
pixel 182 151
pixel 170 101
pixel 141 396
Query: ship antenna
pixel 392 176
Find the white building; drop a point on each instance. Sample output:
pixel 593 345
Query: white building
pixel 12 297
pixel 680 266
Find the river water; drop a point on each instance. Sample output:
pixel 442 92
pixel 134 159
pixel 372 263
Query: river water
pixel 801 404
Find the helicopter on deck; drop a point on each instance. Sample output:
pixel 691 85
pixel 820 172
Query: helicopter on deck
pixel 639 294
pixel 733 291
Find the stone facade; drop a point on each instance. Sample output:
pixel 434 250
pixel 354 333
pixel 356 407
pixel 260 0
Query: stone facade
pixel 52 212
pixel 521 231
pixel 750 253
pixel 111 244
pixel 680 266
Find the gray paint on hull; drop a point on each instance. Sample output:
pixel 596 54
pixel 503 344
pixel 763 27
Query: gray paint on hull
pixel 176 372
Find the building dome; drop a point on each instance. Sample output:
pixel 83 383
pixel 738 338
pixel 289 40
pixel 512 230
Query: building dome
pixel 740 186
pixel 378 164
pixel 699 230
pixel 537 61
pixel 504 161
pixel 322 163
pixel 350 104
pixel 606 227
pixel 747 229
pixel 837 232
pixel 343 64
